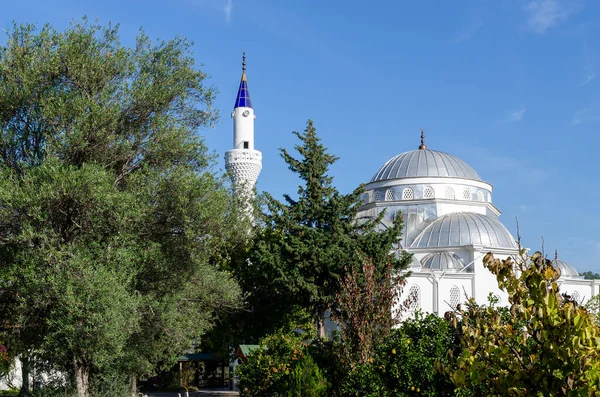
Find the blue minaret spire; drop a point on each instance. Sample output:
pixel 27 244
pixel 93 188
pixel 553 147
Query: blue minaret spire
pixel 243 96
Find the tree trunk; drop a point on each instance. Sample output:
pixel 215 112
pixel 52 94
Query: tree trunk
pixel 321 325
pixel 25 370
pixel 133 385
pixel 82 378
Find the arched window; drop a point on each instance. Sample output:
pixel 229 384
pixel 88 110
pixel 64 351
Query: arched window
pixel 365 198
pixel 414 294
pixel 575 296
pixel 467 194
pixel 489 197
pixel 407 194
pixel 454 297
pixel 428 193
pixel 377 196
pixel 479 196
pixel 449 193
pixel 389 195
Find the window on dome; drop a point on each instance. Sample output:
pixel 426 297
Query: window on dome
pixel 407 194
pixel 414 294
pixel 454 297
pixel 479 196
pixel 377 196
pixel 467 194
pixel 449 193
pixel 575 296
pixel 365 198
pixel 389 195
pixel 428 193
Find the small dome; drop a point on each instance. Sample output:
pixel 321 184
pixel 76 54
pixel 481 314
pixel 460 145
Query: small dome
pixel 442 261
pixel 425 163
pixel 566 270
pixel 463 228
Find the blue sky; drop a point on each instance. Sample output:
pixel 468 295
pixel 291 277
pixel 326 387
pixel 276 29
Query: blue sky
pixel 508 86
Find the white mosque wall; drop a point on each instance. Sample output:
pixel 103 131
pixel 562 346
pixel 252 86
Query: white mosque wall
pixel 453 289
pixel 451 206
pixel 440 191
pixel 428 181
pixel 39 376
pixel 419 283
pixel 486 281
pixel 579 289
pixel 14 377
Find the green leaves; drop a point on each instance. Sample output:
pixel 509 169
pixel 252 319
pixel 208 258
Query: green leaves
pixel 282 366
pixel 304 245
pixel 114 228
pixel 546 344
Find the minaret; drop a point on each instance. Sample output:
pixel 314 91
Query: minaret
pixel 243 163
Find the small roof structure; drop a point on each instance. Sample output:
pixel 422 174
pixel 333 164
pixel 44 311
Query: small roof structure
pixel 199 357
pixel 243 351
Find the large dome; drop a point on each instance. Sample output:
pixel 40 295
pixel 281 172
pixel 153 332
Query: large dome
pixel 462 228
pixel 425 163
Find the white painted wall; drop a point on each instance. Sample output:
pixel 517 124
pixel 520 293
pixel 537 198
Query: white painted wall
pixel 243 127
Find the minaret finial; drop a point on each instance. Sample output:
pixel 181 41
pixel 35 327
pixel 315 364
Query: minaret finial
pixel 243 97
pixel 555 254
pixel 423 146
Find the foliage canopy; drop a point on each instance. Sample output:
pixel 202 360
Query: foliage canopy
pixel 112 218
pixel 304 246
pixel 546 345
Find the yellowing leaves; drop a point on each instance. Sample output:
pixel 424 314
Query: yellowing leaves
pixel 545 342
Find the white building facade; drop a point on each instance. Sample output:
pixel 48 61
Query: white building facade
pixel 450 224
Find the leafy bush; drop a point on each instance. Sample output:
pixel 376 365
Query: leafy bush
pixel 361 381
pixel 409 360
pixel 282 366
pixel 548 345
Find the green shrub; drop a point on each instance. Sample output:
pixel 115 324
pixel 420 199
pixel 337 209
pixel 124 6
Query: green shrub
pixel 361 381
pixel 282 367
pixel 409 361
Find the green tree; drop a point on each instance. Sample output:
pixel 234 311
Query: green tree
pixel 590 275
pixel 303 246
pixel 112 220
pixel 547 345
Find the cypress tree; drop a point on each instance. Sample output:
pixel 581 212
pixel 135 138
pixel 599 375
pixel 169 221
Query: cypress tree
pixel 305 245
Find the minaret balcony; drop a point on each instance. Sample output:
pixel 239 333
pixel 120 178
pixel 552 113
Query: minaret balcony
pixel 243 155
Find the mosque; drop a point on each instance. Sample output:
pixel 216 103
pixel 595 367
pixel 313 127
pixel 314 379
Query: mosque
pixel 450 221
pixel 450 225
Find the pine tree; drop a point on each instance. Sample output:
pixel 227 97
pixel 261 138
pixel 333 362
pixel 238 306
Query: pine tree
pixel 305 244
